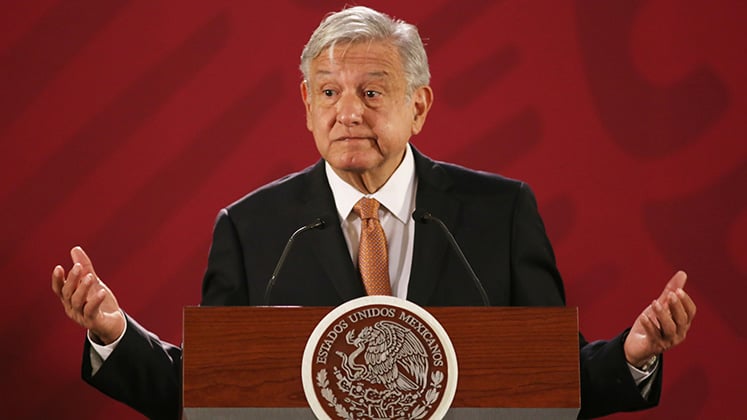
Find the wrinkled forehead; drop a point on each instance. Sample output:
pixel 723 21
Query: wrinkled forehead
pixel 378 58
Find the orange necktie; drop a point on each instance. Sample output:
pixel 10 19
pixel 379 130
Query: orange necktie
pixel 373 261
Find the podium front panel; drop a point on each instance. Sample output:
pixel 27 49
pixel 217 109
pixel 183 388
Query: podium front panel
pixel 513 359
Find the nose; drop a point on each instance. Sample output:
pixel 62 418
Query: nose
pixel 349 110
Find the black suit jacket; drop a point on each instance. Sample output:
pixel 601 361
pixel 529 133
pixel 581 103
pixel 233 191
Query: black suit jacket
pixel 494 219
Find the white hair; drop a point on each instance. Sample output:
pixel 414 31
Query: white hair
pixel 357 24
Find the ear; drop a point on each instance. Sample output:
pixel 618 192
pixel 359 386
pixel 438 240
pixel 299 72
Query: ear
pixel 422 99
pixel 306 102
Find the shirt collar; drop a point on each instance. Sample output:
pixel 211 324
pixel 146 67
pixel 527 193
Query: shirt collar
pixel 397 195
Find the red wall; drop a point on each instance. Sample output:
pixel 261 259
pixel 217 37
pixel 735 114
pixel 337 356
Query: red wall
pixel 126 125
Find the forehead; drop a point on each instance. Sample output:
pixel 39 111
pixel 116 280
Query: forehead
pixel 374 58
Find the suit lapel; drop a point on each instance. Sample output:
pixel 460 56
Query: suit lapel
pixel 331 250
pixel 430 246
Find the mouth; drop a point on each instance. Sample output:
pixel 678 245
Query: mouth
pixel 354 138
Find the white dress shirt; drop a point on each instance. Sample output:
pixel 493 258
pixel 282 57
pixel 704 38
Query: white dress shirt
pixel 397 198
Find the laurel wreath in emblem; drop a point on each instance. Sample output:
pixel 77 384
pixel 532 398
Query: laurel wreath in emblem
pixel 414 406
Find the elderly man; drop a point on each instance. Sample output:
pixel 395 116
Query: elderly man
pixel 366 93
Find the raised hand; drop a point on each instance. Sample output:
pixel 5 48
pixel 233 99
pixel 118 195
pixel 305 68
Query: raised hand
pixel 663 324
pixel 87 300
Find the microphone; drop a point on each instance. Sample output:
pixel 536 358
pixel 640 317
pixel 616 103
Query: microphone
pixel 318 223
pixel 425 217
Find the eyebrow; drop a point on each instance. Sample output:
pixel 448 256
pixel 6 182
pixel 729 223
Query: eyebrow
pixel 378 74
pixel 375 74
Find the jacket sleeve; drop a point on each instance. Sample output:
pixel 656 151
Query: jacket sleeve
pixel 607 385
pixel 142 372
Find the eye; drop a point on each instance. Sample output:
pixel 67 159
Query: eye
pixel 328 92
pixel 372 94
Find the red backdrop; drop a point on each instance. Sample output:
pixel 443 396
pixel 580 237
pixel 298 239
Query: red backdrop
pixel 126 125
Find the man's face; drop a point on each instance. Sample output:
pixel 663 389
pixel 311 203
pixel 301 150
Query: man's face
pixel 359 113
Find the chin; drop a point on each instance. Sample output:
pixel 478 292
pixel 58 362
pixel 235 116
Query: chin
pixel 354 162
pixel 354 168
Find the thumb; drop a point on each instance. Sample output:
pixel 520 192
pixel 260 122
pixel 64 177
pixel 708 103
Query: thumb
pixel 80 256
pixel 677 281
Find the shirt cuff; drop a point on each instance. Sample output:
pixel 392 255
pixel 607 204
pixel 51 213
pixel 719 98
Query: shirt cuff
pixel 643 378
pixel 99 353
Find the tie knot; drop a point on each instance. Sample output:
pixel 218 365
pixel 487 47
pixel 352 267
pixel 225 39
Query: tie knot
pixel 367 208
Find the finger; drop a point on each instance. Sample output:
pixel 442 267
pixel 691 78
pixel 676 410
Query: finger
pixel 649 313
pixel 78 299
pixel 668 326
pixel 58 280
pixel 679 315
pixel 677 281
pixel 80 256
pixel 687 303
pixel 91 308
pixel 651 327
pixel 654 342
pixel 71 283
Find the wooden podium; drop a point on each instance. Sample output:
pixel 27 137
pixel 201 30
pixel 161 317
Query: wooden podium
pixel 245 362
